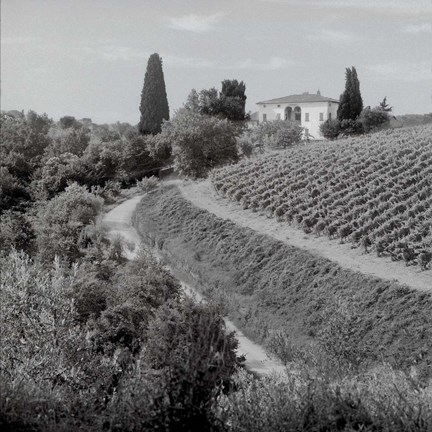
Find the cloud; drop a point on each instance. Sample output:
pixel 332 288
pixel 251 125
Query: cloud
pixel 398 71
pixel 188 62
pixel 20 40
pixel 417 28
pixel 275 63
pixel 332 36
pixel 195 23
pixel 112 52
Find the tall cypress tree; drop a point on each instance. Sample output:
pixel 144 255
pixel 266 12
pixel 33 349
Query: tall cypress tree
pixel 351 102
pixel 154 103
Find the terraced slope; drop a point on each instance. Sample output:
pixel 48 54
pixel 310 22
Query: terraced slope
pixel 374 191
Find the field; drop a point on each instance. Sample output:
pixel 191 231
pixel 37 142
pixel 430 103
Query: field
pixel 374 192
pixel 268 287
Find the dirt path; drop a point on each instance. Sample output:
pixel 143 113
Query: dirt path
pixel 118 223
pixel 203 195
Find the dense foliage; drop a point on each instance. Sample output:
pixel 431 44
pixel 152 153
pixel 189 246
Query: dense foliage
pixel 107 345
pixel 40 157
pixel 154 103
pixel 275 134
pixel 375 191
pixel 229 103
pixel 200 142
pixel 351 102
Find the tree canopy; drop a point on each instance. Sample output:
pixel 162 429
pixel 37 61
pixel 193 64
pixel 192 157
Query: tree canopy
pixel 154 103
pixel 229 103
pixel 351 102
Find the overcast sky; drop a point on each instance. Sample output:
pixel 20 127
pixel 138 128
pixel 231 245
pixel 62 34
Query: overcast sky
pixel 88 58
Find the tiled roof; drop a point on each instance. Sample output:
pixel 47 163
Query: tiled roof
pixel 299 99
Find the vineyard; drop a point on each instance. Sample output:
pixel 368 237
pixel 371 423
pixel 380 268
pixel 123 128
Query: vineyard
pixel 374 192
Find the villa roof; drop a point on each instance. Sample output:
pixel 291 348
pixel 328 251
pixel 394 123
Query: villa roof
pixel 305 97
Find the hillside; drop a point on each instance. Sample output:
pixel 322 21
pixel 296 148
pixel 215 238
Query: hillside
pixel 374 192
pixel 268 286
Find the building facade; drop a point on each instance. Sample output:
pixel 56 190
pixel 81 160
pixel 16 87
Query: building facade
pixel 308 110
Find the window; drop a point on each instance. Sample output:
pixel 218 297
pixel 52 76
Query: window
pixel 307 117
pixel 264 117
pixel 329 116
pixel 278 116
pixel 278 106
pixel 321 116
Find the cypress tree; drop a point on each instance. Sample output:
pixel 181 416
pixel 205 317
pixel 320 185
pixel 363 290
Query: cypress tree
pixel 356 99
pixel 351 102
pixel 154 104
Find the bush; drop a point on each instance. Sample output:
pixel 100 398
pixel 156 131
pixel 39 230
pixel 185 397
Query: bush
pixel 200 142
pixel 13 193
pixel 272 134
pixel 351 127
pixel 16 231
pixel 305 399
pixel 56 174
pixel 288 135
pixel 148 184
pixel 60 221
pixel 330 129
pixel 374 119
pixel 192 358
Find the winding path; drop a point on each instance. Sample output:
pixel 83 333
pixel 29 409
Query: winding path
pixel 118 223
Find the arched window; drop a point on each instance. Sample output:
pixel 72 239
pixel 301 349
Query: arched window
pixel 288 113
pixel 297 114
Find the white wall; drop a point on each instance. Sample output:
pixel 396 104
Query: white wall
pixel 271 111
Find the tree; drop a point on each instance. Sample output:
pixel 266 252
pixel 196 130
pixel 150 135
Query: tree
pixel 383 106
pixel 229 103
pixel 233 100
pixel 374 118
pixel 60 221
pixel 67 122
pixel 351 103
pixel 330 129
pixel 195 358
pixel 154 104
pixel 200 142
pixel 273 134
pixel 192 103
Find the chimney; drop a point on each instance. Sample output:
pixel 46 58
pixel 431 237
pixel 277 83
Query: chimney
pixel 318 93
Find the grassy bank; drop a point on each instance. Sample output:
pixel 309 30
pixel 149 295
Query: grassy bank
pixel 268 287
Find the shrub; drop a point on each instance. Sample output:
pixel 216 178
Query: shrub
pixel 192 358
pixel 16 231
pixel 273 134
pixel 148 184
pixel 288 135
pixel 330 129
pixel 373 119
pixel 200 142
pixel 60 221
pixel 350 127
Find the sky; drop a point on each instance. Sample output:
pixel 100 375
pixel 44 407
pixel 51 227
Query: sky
pixel 87 58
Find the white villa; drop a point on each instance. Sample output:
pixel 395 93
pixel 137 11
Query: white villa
pixel 309 110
